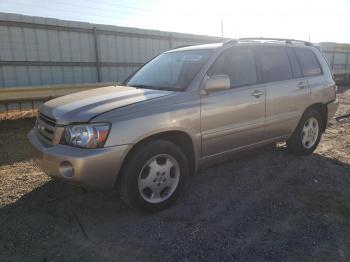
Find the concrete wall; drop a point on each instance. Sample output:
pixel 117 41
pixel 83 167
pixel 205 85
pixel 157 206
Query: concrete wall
pixel 40 51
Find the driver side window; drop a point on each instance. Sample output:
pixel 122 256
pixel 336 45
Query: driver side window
pixel 238 64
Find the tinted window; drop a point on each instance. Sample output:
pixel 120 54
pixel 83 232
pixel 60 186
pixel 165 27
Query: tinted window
pixel 294 63
pixel 308 62
pixel 274 64
pixel 238 64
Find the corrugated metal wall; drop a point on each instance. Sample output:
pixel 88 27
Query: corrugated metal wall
pixel 40 51
pixel 338 60
pixel 338 56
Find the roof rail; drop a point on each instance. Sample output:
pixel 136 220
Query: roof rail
pixel 287 41
pixel 231 41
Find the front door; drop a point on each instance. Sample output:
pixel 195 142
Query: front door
pixel 233 118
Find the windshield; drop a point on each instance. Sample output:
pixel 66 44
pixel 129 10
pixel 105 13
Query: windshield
pixel 170 71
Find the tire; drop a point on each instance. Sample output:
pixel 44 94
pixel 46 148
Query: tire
pixel 154 176
pixel 303 141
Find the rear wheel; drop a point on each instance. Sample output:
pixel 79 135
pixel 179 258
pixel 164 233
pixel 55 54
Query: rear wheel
pixel 154 176
pixel 307 135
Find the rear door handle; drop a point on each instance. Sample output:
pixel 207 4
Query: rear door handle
pixel 302 85
pixel 257 93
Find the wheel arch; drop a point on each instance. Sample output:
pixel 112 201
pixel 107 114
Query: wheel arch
pixel 179 138
pixel 323 110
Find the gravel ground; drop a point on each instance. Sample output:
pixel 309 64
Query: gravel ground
pixel 266 205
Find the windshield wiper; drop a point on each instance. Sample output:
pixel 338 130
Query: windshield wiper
pixel 163 88
pixel 149 87
pixel 141 86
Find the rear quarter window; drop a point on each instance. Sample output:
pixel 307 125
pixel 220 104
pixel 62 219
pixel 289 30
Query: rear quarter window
pixel 310 66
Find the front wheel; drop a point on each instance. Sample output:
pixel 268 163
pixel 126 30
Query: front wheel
pixel 307 135
pixel 154 176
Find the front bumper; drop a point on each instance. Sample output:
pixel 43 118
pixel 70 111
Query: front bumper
pixel 94 168
pixel 332 108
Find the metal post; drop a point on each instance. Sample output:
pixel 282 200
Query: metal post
pixel 332 64
pixel 222 29
pixel 97 57
pixel 171 41
pixel 347 75
pixel 7 110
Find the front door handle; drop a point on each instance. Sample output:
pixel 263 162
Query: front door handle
pixel 302 85
pixel 257 93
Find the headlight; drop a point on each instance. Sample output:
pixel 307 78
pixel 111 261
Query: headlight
pixel 88 136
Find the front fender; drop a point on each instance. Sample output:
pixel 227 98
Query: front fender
pixel 132 131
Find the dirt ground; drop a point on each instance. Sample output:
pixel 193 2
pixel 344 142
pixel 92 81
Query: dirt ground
pixel 267 205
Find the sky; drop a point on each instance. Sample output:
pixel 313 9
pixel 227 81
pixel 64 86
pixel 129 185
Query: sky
pixel 318 21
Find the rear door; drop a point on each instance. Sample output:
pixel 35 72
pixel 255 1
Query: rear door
pixel 321 87
pixel 233 118
pixel 287 91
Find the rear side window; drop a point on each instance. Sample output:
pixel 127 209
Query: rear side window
pixel 308 62
pixel 274 64
pixel 238 64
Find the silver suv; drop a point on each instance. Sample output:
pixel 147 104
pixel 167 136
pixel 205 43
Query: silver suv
pixel 184 108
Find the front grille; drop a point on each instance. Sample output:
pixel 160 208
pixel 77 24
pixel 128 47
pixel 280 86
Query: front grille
pixel 46 127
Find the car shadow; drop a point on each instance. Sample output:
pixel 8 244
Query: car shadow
pixel 265 205
pixel 14 144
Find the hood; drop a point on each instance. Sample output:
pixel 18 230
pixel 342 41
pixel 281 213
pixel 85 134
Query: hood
pixel 82 106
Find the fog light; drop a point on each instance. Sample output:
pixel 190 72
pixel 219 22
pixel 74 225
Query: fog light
pixel 66 169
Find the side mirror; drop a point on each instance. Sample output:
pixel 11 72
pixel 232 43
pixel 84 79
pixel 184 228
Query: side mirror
pixel 217 83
